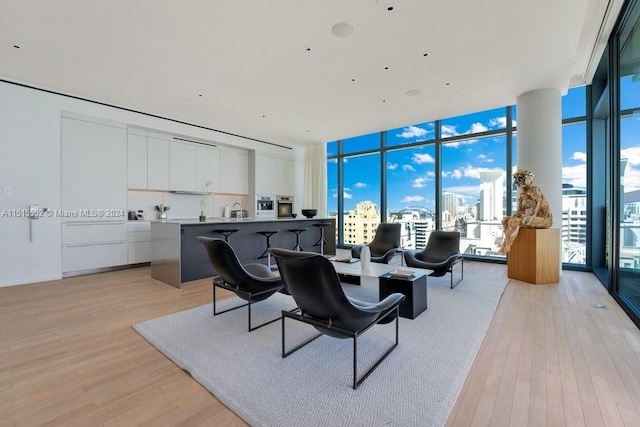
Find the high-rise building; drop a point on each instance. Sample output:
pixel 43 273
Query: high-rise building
pixel 491 191
pixel 360 224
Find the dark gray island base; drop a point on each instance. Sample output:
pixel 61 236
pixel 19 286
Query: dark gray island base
pixel 176 256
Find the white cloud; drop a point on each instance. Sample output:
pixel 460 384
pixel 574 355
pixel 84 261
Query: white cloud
pixel 332 160
pixel 468 172
pixel 361 185
pixel 631 178
pixel 392 166
pixel 431 173
pixel 409 199
pixel 448 131
pixel 419 182
pixel 485 159
pixel 456 144
pixel 413 132
pixel 347 195
pixel 579 155
pixel 421 158
pixel 478 127
pixel 575 175
pixel 408 168
pixel 498 122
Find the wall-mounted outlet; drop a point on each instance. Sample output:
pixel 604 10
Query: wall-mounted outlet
pixel 7 191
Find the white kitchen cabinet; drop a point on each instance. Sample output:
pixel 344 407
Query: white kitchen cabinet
pixel 182 167
pixel 208 167
pixel 264 174
pixel 234 171
pixel 139 237
pixel 137 161
pixel 93 169
pixel 284 177
pixel 157 163
pixel 92 245
pixel 273 175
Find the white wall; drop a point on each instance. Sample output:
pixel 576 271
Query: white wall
pixel 30 170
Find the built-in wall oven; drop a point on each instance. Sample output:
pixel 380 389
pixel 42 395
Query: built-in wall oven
pixel 265 206
pixel 284 206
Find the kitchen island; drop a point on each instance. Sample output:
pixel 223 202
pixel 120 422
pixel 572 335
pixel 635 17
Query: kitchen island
pixel 177 257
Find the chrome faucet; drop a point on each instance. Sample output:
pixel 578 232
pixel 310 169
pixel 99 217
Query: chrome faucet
pixel 239 214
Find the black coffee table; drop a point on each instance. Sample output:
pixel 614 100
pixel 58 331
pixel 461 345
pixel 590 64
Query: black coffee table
pixel 413 287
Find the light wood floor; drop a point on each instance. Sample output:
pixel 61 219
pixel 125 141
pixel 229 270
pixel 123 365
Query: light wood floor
pixel 68 356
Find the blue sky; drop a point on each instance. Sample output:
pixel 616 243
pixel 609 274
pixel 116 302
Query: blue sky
pixel 411 171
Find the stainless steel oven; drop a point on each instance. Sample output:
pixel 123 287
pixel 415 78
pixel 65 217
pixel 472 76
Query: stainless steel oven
pixel 265 206
pixel 284 206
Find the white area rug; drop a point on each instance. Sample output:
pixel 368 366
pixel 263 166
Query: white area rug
pixel 417 385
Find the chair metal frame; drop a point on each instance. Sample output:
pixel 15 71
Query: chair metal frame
pixel 346 333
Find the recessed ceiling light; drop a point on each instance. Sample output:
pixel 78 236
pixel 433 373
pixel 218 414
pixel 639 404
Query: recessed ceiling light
pixel 425 54
pixel 16 46
pixel 413 92
pixel 384 100
pixel 386 68
pixel 447 84
pixel 342 29
pixel 389 8
pixel 263 116
pixel 200 95
pixel 353 80
pixel 307 49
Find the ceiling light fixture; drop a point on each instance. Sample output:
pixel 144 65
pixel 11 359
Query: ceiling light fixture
pixel 386 68
pixel 447 84
pixel 425 54
pixel 342 29
pixel 307 49
pixel 353 80
pixel 16 46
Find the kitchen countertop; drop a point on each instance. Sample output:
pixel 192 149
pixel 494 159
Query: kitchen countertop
pixel 213 220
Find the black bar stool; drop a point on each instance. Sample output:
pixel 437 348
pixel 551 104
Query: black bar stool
pixel 266 253
pixel 226 232
pixel 297 232
pixel 321 241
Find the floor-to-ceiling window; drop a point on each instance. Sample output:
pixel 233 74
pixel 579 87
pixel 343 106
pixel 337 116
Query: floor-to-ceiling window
pixel 451 174
pixel 628 278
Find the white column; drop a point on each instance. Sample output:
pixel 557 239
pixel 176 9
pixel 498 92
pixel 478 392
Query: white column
pixel 539 124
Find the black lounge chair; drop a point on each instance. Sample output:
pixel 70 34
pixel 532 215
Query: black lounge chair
pixel 314 285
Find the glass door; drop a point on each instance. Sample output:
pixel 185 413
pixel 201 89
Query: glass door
pixel 628 283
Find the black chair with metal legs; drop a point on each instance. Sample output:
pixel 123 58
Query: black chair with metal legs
pixel 226 232
pixel 384 245
pixel 321 241
pixel 297 232
pixel 441 255
pixel 251 282
pixel 266 254
pixel 314 285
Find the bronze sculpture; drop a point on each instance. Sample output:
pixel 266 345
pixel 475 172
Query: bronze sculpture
pixel 533 210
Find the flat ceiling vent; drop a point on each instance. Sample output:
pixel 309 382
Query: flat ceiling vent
pixel 195 142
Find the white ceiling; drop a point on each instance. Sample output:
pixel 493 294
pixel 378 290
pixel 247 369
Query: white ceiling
pixel 242 66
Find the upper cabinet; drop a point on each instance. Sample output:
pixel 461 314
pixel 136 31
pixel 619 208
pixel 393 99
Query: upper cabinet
pixel 155 161
pixel 234 171
pixel 137 160
pixel 182 167
pixel 207 168
pixel 273 175
pixel 147 160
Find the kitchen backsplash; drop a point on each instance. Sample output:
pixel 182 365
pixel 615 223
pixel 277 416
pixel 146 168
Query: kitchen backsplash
pixel 182 205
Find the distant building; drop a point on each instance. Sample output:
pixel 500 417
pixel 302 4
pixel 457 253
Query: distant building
pixel 574 224
pixel 491 195
pixel 360 224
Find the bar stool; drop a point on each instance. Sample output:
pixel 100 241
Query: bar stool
pixel 321 241
pixel 297 232
pixel 266 253
pixel 226 232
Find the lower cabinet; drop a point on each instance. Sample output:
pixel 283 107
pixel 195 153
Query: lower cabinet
pixel 139 237
pixel 93 244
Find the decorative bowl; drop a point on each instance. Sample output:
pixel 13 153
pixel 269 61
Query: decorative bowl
pixel 309 213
